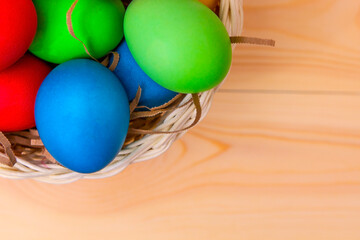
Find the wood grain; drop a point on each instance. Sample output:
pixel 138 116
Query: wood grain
pixel 278 156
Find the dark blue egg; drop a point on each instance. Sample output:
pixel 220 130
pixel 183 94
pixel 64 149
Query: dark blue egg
pixel 82 115
pixel 132 76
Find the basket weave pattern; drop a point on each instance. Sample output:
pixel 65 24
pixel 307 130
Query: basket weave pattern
pixel 150 146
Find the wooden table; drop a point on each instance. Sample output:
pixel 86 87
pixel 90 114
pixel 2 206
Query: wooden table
pixel 278 156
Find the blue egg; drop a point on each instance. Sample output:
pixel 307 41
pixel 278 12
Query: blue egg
pixel 82 115
pixel 132 76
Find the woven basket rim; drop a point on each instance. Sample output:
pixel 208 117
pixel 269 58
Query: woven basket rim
pixel 150 146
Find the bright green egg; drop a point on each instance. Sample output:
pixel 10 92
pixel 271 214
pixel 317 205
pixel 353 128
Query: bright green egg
pixel 180 44
pixel 98 23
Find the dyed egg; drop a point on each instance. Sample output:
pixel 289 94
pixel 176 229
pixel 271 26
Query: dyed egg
pixel 17 30
pixel 210 3
pixel 98 23
pixel 180 44
pixel 131 77
pixel 82 115
pixel 18 88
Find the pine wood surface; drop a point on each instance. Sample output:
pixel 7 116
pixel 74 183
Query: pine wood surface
pixel 278 156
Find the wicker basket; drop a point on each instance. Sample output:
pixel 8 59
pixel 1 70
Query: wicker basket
pixel 148 147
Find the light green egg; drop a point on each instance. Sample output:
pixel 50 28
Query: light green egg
pixel 180 44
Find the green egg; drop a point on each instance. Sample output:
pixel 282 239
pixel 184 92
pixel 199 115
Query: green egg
pixel 98 23
pixel 180 44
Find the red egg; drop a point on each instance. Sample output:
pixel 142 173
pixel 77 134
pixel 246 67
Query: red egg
pixel 18 88
pixel 18 22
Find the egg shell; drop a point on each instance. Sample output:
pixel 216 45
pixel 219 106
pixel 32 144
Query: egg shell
pixel 82 115
pixel 98 23
pixel 17 30
pixel 180 44
pixel 18 88
pixel 132 76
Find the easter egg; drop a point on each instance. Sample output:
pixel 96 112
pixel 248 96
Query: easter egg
pixel 82 115
pixel 210 3
pixel 132 77
pixel 17 30
pixel 180 44
pixel 18 88
pixel 97 23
